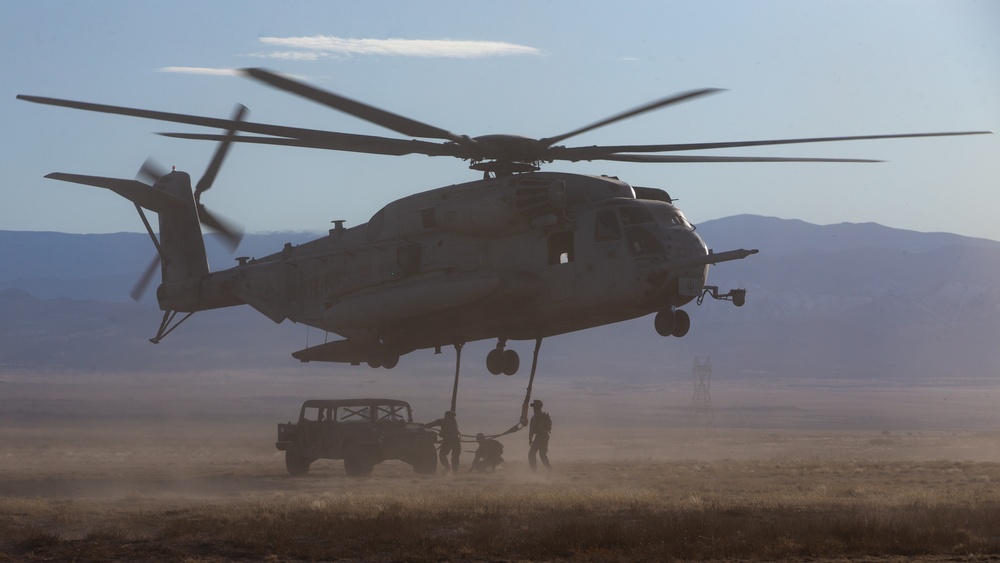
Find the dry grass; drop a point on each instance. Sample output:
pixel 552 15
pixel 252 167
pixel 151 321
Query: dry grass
pixel 594 511
pixel 92 479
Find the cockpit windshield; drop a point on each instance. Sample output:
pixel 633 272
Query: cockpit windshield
pixel 639 225
pixel 670 216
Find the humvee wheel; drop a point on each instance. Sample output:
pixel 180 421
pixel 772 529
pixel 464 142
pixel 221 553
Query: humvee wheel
pixel 426 461
pixel 296 463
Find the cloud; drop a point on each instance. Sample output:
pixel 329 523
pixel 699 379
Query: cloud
pixel 319 46
pixel 200 70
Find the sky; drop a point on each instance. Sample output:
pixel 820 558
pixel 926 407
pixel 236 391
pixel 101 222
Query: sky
pixel 789 69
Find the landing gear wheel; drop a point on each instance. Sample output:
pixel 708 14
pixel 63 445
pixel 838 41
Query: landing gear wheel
pixel 389 359
pixel 682 323
pixel 495 361
pixel 374 357
pixel 665 321
pixel 511 362
pixel 380 356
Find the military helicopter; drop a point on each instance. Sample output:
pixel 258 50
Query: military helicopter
pixel 520 254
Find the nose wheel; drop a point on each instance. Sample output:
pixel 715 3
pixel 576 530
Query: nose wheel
pixel 672 322
pixel 500 360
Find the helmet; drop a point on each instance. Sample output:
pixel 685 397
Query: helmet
pixel 536 403
pixel 480 437
pixel 450 414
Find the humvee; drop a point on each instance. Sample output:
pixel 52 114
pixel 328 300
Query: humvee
pixel 362 432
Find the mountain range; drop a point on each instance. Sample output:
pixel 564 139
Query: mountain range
pixel 852 301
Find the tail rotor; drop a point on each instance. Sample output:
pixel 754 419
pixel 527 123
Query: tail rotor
pixel 149 190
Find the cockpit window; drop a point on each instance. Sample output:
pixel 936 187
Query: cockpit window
pixel 635 215
pixel 672 217
pixel 642 242
pixel 680 219
pixel 607 227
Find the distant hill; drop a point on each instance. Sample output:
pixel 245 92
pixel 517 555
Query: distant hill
pixel 858 301
pixel 105 266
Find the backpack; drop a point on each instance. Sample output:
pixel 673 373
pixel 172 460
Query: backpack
pixel 544 422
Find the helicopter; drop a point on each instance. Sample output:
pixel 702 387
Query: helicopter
pixel 519 254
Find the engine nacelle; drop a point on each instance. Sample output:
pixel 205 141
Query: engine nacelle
pixel 525 204
pixel 492 208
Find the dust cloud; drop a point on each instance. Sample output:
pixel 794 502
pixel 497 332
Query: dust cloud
pixel 88 451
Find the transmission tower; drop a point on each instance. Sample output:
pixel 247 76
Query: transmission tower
pixel 701 402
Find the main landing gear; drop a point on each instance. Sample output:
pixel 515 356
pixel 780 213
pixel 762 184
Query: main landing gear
pixel 501 353
pixel 381 356
pixel 672 322
pixel 500 360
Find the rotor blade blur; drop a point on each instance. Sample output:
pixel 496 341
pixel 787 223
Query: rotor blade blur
pixel 694 158
pixel 132 190
pixel 357 143
pixel 597 152
pixel 143 283
pixel 677 98
pixel 392 121
pixel 150 171
pixel 231 232
pixel 342 141
pixel 208 178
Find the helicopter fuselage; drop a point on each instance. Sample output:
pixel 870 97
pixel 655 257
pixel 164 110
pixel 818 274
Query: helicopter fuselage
pixel 517 257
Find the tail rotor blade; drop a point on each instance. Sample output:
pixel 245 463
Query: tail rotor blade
pixel 231 232
pixel 207 179
pixel 142 285
pixel 150 171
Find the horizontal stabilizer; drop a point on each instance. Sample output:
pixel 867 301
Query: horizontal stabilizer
pixel 341 351
pixel 135 191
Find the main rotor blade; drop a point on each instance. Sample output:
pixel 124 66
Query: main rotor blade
pixel 696 158
pixel 599 152
pixel 356 143
pixel 343 141
pixel 683 96
pixel 208 178
pixel 397 123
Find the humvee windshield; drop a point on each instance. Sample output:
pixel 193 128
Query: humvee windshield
pixel 357 412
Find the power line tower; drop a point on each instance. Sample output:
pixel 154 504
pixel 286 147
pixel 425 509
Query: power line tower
pixel 701 402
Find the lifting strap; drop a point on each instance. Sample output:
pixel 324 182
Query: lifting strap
pixel 523 421
pixel 458 365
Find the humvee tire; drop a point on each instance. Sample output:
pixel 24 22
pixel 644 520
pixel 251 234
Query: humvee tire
pixel 296 462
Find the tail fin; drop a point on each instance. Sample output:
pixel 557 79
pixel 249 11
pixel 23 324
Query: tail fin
pixel 182 248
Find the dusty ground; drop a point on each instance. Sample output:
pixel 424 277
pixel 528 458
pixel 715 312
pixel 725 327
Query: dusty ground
pixel 90 458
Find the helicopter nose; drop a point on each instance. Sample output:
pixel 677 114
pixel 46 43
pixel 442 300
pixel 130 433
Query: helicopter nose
pixel 690 244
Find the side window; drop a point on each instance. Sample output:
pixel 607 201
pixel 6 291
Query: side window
pixel 607 227
pixel 635 215
pixel 561 248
